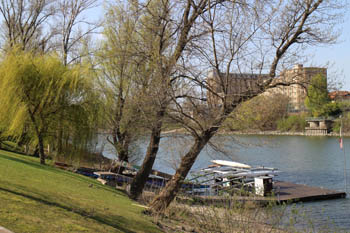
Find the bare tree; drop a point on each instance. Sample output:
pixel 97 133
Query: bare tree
pixel 299 24
pixel 25 22
pixel 235 41
pixel 169 27
pixel 73 26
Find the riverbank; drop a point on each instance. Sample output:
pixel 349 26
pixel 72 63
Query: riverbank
pixel 265 133
pixel 277 133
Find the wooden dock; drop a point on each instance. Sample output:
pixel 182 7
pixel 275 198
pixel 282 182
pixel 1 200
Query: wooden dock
pixel 290 192
pixel 284 192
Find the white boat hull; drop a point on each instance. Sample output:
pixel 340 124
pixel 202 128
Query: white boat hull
pixel 230 163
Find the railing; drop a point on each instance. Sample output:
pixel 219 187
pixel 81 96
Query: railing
pixel 319 118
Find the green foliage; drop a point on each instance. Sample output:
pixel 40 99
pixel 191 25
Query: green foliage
pixel 336 127
pixel 317 96
pixel 31 85
pixel 36 198
pixel 344 106
pixel 346 124
pixel 294 123
pixel 38 91
pixel 123 75
pixel 330 109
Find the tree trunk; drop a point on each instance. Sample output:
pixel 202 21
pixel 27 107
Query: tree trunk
pixel 123 156
pixel 36 151
pixel 59 140
pixel 59 135
pixel 139 181
pixel 23 139
pixel 41 149
pixel 121 142
pixel 167 195
pixel 39 134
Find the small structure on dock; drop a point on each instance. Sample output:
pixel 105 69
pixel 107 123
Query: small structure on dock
pixel 263 185
pixel 319 125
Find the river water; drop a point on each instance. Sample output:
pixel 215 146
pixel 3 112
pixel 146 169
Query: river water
pixel 314 161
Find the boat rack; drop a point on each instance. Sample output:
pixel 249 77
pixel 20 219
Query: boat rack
pixel 224 177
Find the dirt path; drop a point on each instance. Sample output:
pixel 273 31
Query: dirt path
pixel 4 230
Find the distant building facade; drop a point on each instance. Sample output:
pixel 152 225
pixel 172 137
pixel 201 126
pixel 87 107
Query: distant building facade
pixel 238 85
pixel 299 77
pixel 235 85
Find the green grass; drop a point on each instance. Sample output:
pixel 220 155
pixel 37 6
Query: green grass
pixel 37 198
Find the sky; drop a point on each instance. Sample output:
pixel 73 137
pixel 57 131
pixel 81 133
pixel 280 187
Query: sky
pixel 335 57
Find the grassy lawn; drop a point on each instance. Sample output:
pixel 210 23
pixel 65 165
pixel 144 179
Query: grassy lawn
pixel 36 198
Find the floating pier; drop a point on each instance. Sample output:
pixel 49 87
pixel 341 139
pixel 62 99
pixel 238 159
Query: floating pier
pixel 290 192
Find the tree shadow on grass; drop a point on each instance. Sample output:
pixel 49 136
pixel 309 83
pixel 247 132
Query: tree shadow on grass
pixel 33 164
pixel 80 212
pixel 48 168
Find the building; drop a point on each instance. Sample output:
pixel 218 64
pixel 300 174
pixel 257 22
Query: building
pixel 318 125
pixel 339 96
pixel 238 85
pixel 299 79
pixel 235 85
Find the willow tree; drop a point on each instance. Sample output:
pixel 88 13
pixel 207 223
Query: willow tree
pixel 244 38
pixel 72 27
pixel 35 88
pixel 70 30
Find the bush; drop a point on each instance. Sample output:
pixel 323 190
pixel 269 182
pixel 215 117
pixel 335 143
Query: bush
pixel 295 123
pixel 346 124
pixel 330 109
pixel 336 127
pixel 260 113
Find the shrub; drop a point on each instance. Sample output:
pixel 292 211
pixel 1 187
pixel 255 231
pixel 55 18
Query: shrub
pixel 295 123
pixel 346 124
pixel 260 113
pixel 330 109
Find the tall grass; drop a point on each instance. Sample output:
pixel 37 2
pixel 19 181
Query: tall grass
pixel 237 216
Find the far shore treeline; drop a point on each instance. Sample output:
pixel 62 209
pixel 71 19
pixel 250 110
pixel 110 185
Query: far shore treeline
pixel 143 70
